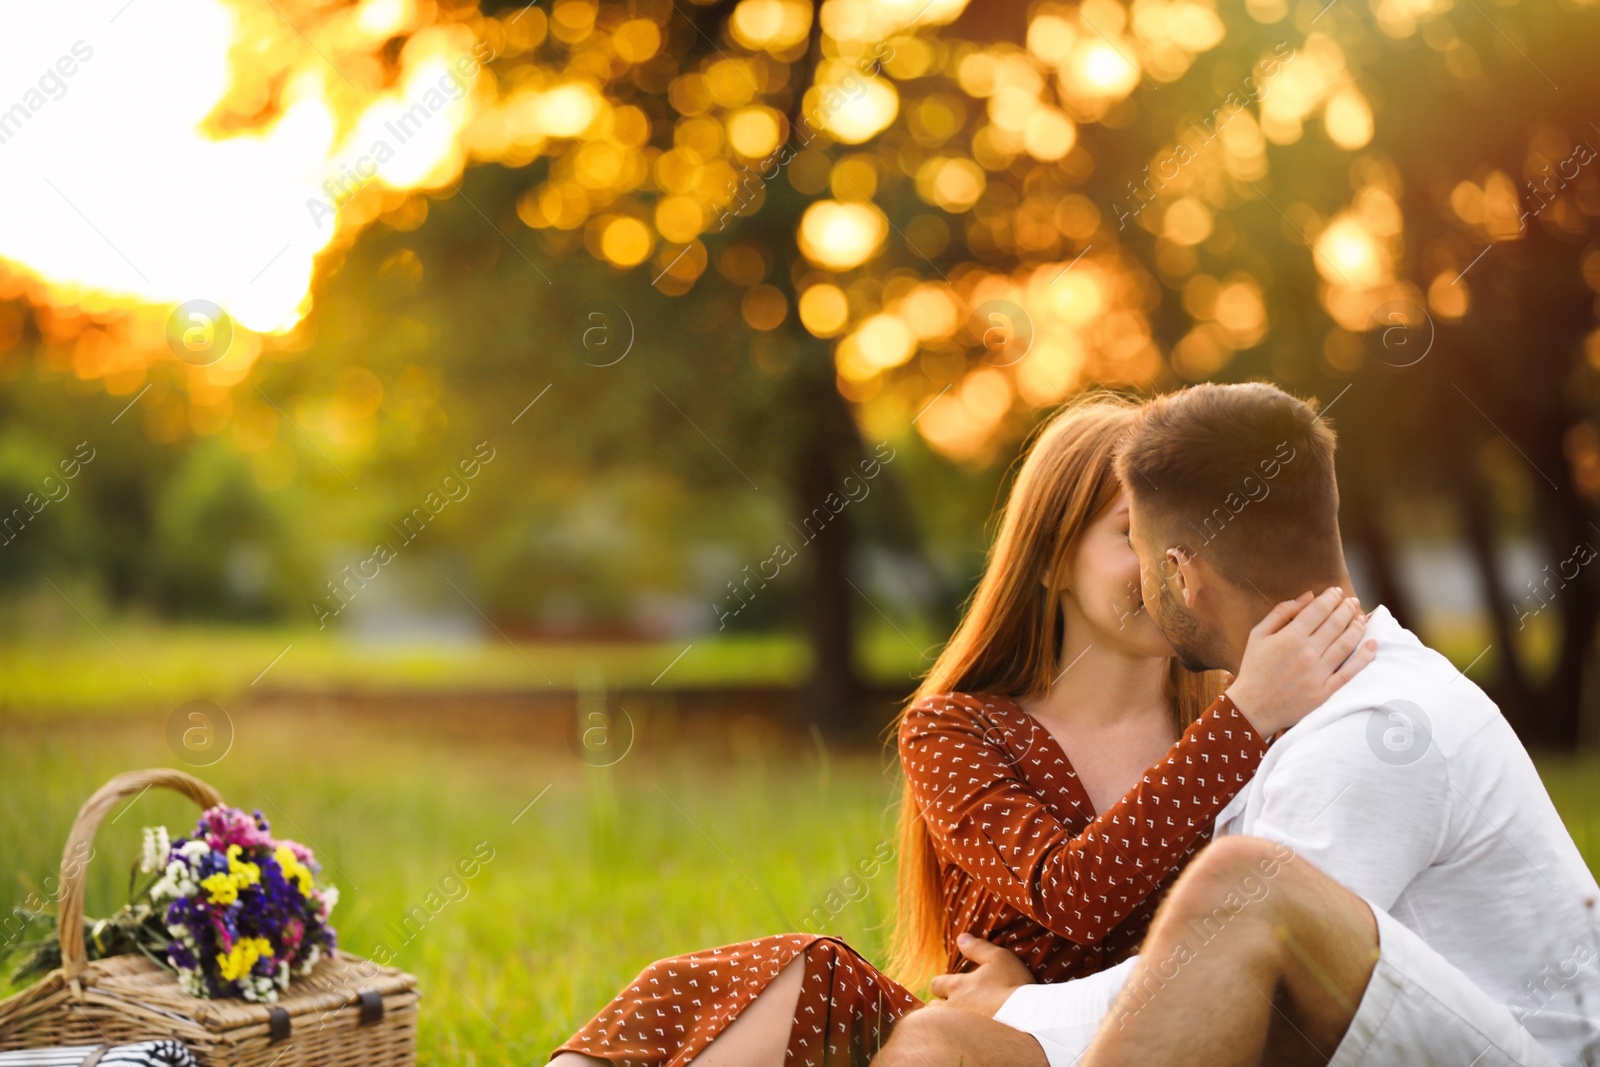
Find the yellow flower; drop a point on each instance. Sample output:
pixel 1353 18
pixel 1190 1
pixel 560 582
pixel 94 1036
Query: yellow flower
pixel 221 887
pixel 225 887
pixel 246 951
pixel 247 873
pixel 293 869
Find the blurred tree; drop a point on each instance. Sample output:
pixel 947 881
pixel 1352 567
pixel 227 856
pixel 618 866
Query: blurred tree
pixel 830 224
pixel 1497 176
pixel 218 547
pixel 1141 194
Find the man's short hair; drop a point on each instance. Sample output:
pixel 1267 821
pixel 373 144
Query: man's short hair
pixel 1242 473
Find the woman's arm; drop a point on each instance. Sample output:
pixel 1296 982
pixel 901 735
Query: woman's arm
pixel 991 821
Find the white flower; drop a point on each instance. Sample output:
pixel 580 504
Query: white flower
pixel 156 847
pixel 177 882
pixel 330 897
pixel 193 850
pixel 191 982
pixel 259 988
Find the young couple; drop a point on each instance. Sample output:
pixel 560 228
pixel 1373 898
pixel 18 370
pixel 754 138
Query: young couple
pixel 1390 883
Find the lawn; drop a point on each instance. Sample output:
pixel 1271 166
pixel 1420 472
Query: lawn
pixel 130 665
pixel 739 834
pixel 133 666
pixel 736 832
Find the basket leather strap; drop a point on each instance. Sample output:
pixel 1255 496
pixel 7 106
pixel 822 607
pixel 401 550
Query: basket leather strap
pixel 371 1006
pixel 278 1025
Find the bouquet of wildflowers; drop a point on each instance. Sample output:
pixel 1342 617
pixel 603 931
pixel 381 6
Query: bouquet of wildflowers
pixel 233 910
pixel 242 910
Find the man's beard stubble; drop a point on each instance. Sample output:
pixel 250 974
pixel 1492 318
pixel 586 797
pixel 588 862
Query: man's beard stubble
pixel 1183 632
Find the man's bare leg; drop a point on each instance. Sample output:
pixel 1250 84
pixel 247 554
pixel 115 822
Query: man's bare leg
pixel 940 1035
pixel 1254 957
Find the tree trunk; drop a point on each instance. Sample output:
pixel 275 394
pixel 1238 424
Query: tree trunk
pixel 827 448
pixel 1561 701
pixel 1378 549
pixel 1560 313
pixel 1512 690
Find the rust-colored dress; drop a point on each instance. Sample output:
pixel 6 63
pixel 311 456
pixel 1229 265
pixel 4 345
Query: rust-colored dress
pixel 1024 862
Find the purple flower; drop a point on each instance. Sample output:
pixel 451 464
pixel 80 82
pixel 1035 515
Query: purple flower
pixel 262 902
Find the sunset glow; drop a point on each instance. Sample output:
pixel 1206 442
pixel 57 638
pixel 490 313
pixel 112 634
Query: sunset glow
pixel 235 216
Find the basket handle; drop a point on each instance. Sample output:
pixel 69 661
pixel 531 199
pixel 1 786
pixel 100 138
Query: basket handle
pixel 70 910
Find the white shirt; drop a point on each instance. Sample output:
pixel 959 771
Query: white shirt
pixel 1408 787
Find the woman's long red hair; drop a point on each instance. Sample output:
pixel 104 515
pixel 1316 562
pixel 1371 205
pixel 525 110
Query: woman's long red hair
pixel 1009 638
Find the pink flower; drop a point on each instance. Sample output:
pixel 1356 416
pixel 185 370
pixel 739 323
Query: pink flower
pixel 226 826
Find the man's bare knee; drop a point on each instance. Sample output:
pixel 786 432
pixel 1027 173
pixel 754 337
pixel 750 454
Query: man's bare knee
pixel 1227 880
pixel 1233 893
pixel 1229 860
pixel 1268 910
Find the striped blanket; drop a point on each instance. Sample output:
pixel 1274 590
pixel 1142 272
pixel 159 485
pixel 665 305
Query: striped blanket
pixel 142 1054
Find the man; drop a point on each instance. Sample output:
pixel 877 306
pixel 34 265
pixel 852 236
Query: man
pixel 1393 887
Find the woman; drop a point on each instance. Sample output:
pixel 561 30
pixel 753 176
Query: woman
pixel 1060 767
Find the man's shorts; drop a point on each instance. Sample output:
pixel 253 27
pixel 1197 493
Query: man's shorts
pixel 1418 1009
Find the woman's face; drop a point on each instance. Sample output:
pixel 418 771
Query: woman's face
pixel 1102 598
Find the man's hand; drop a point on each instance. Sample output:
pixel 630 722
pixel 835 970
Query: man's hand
pixel 986 988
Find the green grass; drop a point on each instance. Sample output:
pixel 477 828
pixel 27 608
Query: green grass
pixel 739 835
pixel 1574 786
pixel 129 666
pixel 734 832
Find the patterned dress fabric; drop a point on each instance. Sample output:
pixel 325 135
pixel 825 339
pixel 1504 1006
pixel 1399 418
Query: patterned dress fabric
pixel 1025 862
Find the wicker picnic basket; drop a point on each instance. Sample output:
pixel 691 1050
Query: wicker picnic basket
pixel 348 1011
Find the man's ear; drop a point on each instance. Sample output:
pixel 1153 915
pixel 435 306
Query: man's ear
pixel 1188 570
